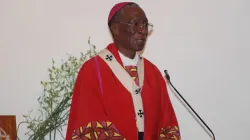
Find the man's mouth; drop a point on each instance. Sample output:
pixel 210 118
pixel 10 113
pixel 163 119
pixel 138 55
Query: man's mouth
pixel 141 40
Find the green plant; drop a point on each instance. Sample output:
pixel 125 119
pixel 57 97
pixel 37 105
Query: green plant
pixel 56 98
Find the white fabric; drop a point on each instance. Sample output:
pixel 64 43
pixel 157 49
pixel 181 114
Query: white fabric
pixel 127 61
pixel 128 83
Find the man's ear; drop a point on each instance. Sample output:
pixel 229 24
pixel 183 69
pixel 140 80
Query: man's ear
pixel 114 29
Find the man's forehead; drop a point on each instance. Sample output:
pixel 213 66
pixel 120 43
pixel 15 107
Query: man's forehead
pixel 133 12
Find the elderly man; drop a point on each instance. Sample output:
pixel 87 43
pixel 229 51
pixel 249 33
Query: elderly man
pixel 119 94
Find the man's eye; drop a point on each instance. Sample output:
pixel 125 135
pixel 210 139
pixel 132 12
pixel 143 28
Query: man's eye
pixel 136 23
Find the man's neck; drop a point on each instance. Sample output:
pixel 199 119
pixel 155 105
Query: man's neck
pixel 128 61
pixel 128 53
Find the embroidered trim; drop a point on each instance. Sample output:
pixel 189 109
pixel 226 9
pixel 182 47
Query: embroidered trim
pixel 97 130
pixel 170 133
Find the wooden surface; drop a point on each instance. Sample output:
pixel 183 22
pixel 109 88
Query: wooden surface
pixel 8 123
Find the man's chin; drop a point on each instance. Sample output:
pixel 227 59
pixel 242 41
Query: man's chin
pixel 139 48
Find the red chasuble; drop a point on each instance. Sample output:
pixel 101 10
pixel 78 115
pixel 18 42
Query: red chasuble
pixel 102 107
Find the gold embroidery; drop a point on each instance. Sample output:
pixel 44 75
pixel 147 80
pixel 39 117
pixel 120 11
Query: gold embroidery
pixel 97 130
pixel 170 133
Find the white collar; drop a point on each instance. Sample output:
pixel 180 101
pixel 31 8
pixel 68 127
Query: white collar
pixel 127 61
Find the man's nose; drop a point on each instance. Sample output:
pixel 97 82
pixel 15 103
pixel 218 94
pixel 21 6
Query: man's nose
pixel 143 30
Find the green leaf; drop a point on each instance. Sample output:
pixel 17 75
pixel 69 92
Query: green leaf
pixel 62 67
pixel 89 40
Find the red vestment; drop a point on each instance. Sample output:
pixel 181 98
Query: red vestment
pixel 105 109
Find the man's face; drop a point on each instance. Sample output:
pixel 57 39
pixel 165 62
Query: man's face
pixel 132 34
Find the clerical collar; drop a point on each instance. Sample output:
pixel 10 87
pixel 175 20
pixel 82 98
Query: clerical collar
pixel 127 61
